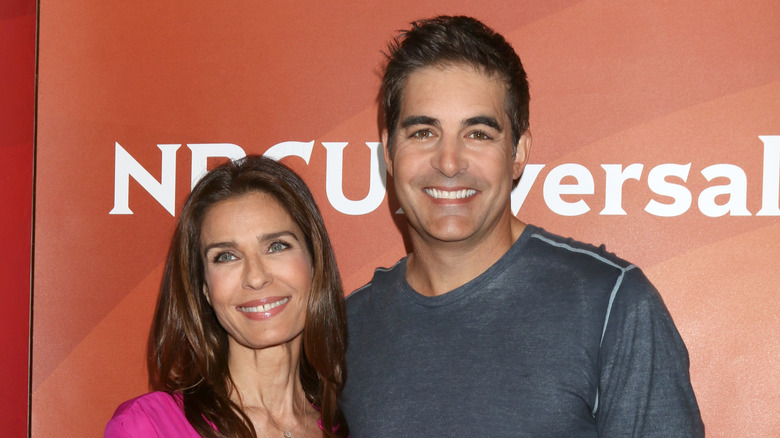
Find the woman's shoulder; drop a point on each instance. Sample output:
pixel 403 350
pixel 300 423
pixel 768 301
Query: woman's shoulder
pixel 152 400
pixel 153 414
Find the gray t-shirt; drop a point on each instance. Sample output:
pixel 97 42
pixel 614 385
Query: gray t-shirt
pixel 556 339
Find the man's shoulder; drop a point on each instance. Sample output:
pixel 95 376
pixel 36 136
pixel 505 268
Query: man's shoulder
pixel 382 283
pixel 587 265
pixel 542 243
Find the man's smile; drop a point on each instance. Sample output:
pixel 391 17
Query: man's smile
pixel 449 194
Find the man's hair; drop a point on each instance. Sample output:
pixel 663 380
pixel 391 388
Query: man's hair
pixel 188 348
pixel 445 41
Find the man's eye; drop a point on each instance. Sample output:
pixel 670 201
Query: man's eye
pixel 224 257
pixel 278 246
pixel 480 135
pixel 422 134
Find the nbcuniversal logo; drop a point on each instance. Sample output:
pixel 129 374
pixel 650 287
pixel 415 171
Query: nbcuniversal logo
pixel 666 180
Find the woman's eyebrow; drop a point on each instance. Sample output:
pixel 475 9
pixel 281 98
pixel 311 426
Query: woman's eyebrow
pixel 276 235
pixel 210 246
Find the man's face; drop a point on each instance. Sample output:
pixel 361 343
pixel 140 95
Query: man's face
pixel 453 162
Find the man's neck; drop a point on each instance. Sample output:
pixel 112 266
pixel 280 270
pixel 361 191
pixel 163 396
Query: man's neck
pixel 435 267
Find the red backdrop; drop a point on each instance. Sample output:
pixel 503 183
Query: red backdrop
pixel 17 98
pixel 686 93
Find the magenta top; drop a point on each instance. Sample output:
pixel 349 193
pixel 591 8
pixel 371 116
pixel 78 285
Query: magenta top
pixel 156 414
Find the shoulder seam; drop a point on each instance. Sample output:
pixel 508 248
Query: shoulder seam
pixel 356 291
pixel 367 285
pixel 582 251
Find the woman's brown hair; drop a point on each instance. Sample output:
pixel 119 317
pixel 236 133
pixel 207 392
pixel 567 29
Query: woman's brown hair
pixel 188 349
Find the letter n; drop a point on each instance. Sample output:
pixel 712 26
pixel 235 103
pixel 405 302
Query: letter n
pixel 125 166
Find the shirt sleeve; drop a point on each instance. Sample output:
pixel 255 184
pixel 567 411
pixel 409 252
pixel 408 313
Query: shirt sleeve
pixel 129 421
pixel 644 386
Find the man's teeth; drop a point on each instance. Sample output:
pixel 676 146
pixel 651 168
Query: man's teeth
pixel 264 308
pixel 446 194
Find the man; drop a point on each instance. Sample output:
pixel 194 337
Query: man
pixel 492 327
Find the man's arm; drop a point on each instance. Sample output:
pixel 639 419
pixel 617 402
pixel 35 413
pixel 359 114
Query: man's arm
pixel 645 388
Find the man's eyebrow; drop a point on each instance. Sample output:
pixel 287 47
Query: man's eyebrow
pixel 483 120
pixel 419 120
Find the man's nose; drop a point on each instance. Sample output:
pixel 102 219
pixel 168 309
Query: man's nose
pixel 450 158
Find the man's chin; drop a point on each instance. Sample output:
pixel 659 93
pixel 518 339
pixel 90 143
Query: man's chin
pixel 448 230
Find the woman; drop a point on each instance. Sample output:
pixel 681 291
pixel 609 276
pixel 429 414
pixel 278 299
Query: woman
pixel 249 334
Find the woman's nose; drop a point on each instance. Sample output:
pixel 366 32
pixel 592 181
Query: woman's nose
pixel 255 273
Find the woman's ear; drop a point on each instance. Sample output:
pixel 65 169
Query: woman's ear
pixel 206 293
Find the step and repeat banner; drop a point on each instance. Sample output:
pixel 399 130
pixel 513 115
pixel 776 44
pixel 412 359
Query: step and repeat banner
pixel 656 130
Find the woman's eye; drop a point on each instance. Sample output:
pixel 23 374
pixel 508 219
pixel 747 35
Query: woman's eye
pixel 224 257
pixel 278 246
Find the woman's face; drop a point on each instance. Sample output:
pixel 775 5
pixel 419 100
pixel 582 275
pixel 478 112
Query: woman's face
pixel 258 270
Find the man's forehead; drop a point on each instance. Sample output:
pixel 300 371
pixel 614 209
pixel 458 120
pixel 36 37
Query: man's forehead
pixel 449 68
pixel 452 88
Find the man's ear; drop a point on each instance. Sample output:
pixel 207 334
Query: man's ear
pixel 386 151
pixel 521 155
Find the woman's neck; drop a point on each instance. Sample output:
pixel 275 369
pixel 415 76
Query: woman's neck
pixel 267 377
pixel 267 387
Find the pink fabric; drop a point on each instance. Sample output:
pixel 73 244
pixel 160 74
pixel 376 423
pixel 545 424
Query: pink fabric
pixel 156 414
